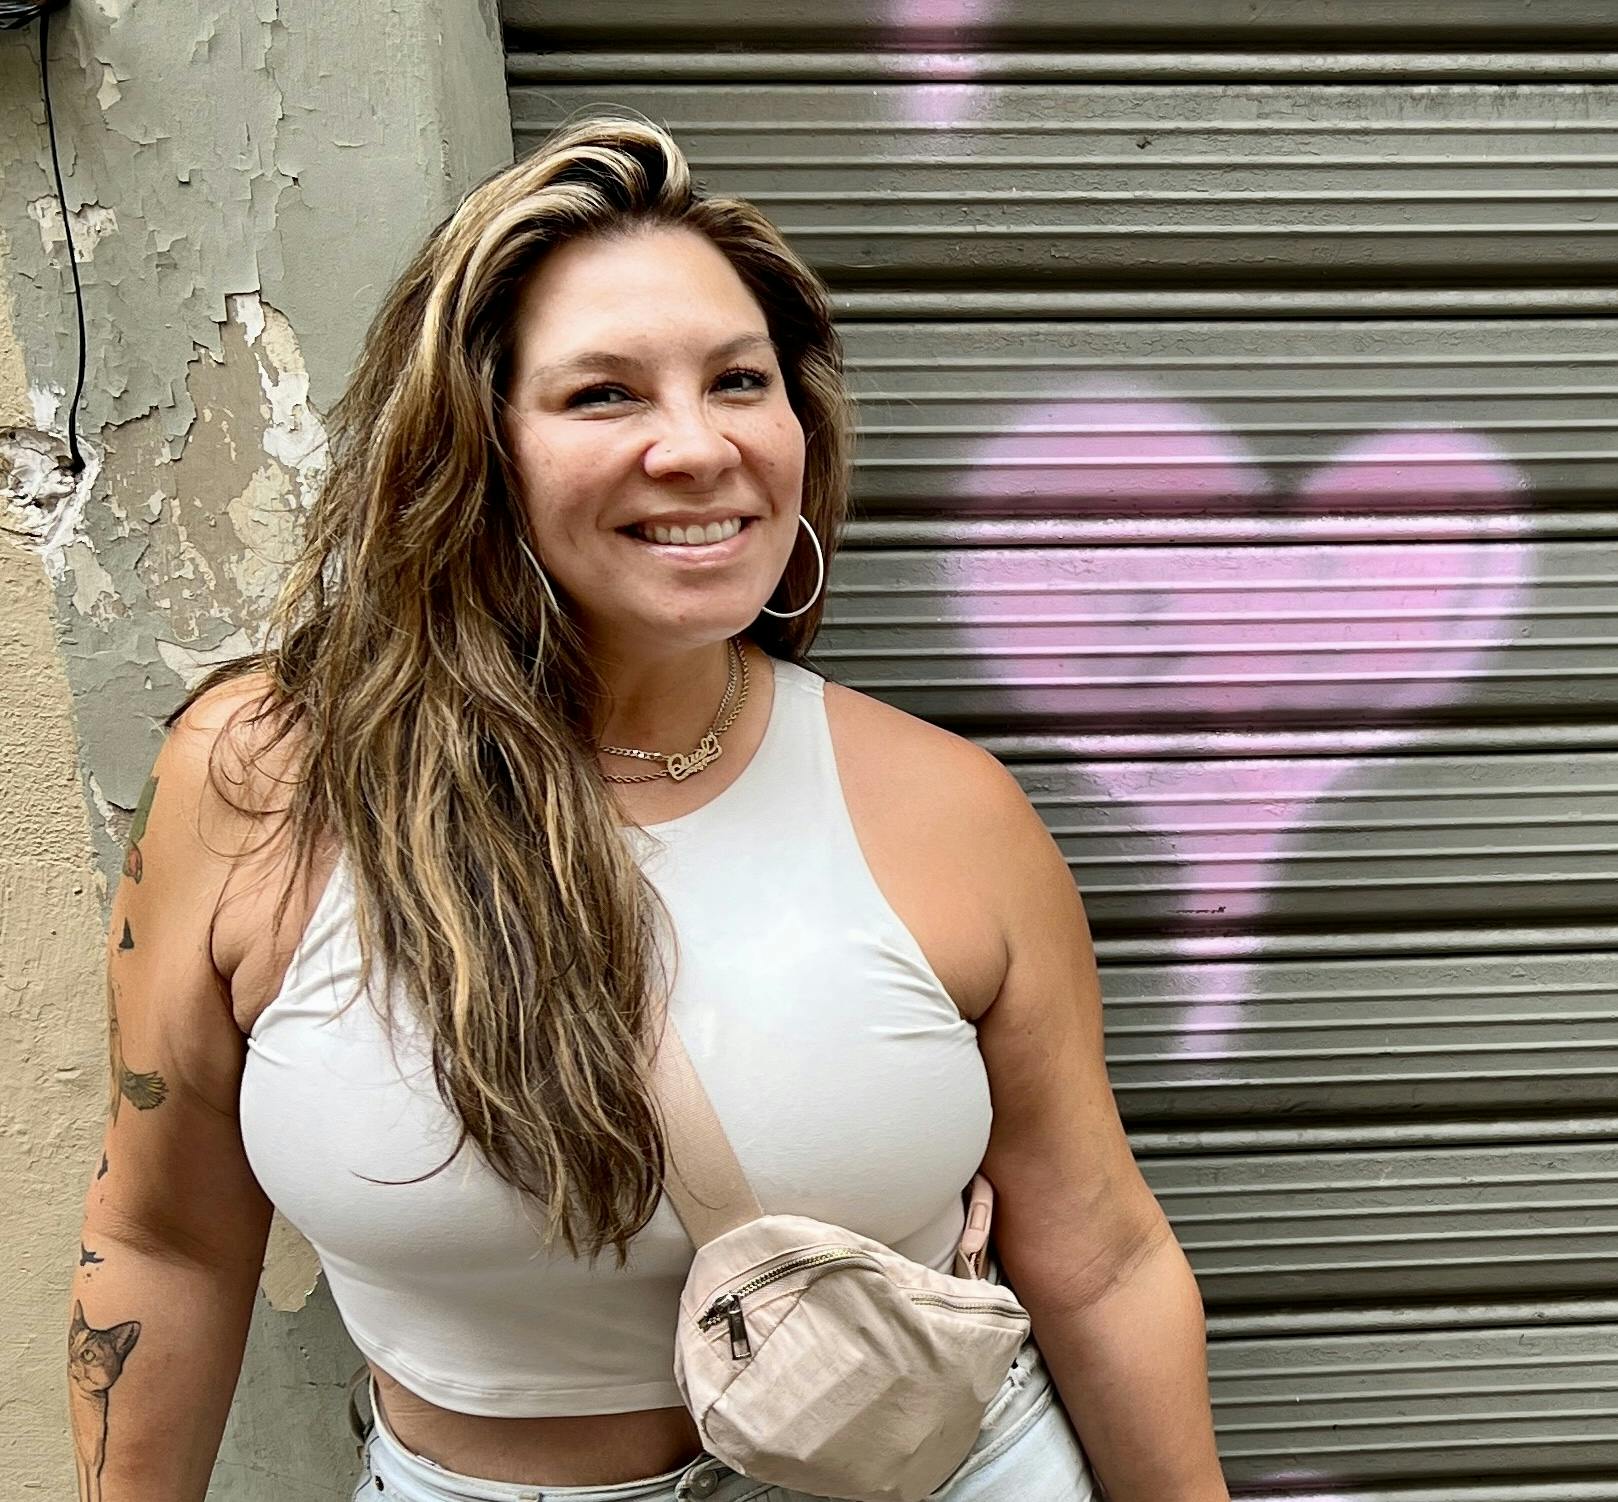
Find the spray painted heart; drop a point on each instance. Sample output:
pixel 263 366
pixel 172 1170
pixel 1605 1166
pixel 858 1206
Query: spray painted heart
pixel 1324 633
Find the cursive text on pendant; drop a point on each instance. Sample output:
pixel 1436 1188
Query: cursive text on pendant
pixel 709 751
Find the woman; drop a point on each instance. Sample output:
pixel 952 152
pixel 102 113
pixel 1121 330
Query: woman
pixel 537 744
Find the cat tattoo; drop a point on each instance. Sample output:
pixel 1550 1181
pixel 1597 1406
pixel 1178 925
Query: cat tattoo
pixel 95 1360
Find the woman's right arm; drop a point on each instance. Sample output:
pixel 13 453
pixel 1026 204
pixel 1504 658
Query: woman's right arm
pixel 175 1222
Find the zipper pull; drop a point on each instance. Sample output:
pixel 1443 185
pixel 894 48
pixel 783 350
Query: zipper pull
pixel 741 1348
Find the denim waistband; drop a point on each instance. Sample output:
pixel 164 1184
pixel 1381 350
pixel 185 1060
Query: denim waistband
pixel 409 1477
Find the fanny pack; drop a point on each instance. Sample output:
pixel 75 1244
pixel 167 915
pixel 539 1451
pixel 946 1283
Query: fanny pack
pixel 812 1357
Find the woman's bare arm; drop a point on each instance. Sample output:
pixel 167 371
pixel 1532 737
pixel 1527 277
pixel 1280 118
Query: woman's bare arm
pixel 174 1222
pixel 1115 1307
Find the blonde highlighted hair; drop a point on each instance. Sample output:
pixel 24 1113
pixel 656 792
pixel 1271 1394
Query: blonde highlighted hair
pixel 441 708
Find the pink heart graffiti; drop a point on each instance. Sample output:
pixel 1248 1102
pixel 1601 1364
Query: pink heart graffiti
pixel 937 23
pixel 1424 616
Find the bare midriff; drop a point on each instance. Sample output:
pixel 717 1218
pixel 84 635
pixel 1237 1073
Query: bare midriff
pixel 596 1449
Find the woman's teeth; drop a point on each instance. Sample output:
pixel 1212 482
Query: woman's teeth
pixel 690 536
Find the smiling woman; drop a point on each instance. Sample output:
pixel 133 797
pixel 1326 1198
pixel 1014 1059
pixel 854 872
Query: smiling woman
pixel 560 537
pixel 634 417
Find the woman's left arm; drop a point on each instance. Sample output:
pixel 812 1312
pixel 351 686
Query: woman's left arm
pixel 1082 1240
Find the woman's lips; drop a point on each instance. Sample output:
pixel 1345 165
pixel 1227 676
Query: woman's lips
pixel 695 552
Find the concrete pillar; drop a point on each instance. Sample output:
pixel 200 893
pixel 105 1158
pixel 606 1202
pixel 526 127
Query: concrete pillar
pixel 242 181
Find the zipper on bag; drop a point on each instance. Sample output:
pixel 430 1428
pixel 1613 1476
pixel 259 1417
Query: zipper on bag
pixel 727 1307
pixel 938 1298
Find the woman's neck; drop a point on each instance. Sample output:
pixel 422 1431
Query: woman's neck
pixel 664 703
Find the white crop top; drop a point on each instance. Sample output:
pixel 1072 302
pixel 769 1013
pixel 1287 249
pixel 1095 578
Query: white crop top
pixel 849 1084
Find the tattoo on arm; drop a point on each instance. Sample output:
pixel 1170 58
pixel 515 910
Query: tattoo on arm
pixel 143 1091
pixel 137 830
pixel 102 1170
pixel 128 940
pixel 87 1256
pixel 95 1360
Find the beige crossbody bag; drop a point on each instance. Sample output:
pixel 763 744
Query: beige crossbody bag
pixel 812 1357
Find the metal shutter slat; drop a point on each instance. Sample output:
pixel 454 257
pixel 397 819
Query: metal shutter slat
pixel 1122 183
pixel 1346 1040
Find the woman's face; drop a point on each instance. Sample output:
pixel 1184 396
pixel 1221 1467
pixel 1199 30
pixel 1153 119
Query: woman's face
pixel 646 393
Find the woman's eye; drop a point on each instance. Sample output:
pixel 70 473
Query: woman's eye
pixel 591 396
pixel 758 377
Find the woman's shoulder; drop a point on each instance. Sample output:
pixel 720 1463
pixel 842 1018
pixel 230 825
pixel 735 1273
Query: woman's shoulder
pixel 921 770
pixel 938 819
pixel 872 729
pixel 192 829
pixel 242 749
pixel 236 717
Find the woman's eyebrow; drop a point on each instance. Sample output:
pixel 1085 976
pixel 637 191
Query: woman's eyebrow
pixel 739 343
pixel 602 359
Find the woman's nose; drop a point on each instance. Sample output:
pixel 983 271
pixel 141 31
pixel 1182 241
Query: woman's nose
pixel 690 445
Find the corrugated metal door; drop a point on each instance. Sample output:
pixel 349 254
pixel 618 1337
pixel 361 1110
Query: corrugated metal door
pixel 1238 456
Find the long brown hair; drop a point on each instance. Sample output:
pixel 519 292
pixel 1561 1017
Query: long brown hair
pixel 444 708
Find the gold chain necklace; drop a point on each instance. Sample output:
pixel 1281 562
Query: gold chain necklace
pixel 708 749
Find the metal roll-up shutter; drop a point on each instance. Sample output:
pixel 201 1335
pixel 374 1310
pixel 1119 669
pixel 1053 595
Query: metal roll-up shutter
pixel 1239 392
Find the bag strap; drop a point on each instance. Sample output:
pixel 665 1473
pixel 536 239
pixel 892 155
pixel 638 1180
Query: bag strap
pixel 705 1183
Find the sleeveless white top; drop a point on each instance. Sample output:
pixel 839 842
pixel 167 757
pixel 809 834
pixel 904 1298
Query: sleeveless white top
pixel 846 1079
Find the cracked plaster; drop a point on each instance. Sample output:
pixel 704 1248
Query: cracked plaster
pixel 226 168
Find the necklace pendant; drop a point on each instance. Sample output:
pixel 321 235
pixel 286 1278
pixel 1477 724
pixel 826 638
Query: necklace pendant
pixel 708 751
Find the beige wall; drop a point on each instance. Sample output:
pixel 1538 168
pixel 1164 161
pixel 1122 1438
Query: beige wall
pixel 226 181
pixel 52 1042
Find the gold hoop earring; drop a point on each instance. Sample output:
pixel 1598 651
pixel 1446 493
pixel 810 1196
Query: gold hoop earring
pixel 820 582
pixel 522 542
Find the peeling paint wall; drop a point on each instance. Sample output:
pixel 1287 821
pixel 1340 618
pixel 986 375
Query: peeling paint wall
pixel 226 169
pixel 52 1049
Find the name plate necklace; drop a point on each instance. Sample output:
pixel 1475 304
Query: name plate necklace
pixel 708 750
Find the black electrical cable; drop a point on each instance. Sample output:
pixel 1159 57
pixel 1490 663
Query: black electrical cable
pixel 75 458
pixel 13 15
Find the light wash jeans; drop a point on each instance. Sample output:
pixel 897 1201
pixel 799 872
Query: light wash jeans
pixel 1026 1451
